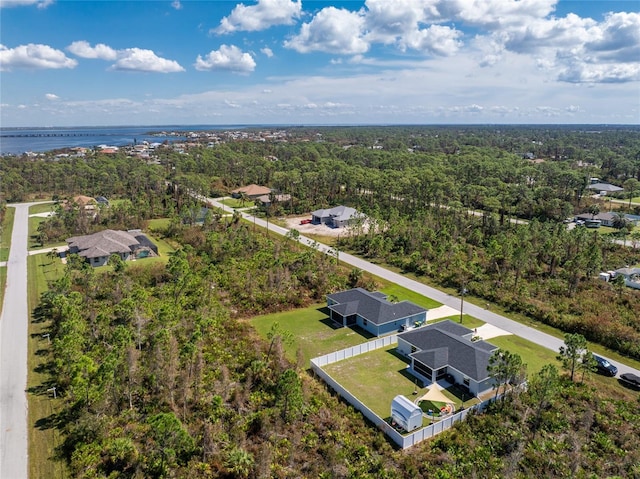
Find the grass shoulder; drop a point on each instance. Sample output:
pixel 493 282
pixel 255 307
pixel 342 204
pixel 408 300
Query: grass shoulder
pixel 7 230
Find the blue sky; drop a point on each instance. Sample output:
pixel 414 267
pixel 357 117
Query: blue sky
pixel 150 62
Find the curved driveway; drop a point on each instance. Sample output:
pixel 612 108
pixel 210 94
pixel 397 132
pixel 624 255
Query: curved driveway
pixel 513 327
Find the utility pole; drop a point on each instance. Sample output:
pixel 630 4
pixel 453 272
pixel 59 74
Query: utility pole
pixel 463 291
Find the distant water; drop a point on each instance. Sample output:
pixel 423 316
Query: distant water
pixel 19 140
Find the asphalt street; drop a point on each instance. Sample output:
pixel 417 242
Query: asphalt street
pixel 13 354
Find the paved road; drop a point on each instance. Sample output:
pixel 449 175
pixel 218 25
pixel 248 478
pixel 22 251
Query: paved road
pixel 13 354
pixel 513 327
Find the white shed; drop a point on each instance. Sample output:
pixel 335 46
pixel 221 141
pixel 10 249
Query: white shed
pixel 405 413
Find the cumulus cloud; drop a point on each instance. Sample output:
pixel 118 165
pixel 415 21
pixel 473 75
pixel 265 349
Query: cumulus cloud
pixel 129 59
pixel 332 30
pixel 437 40
pixel 228 57
pixel 34 56
pixel 267 51
pixel 176 4
pixel 265 14
pixel 138 59
pixel 101 51
pixel 22 3
pixel 52 96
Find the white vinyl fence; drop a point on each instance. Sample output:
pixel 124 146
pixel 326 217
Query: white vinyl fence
pixel 402 440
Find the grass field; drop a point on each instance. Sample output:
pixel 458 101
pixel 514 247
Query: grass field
pixel 235 203
pixel 5 235
pixel 375 378
pixel 312 332
pixel 42 440
pixel 43 208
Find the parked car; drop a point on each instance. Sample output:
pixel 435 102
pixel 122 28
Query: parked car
pixel 305 222
pixel 605 367
pixel 630 379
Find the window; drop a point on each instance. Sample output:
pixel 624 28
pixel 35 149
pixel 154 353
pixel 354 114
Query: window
pixel 413 349
pixel 466 382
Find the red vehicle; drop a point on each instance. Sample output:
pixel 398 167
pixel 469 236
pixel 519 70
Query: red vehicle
pixel 305 222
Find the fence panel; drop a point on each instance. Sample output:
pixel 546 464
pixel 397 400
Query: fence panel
pixel 403 441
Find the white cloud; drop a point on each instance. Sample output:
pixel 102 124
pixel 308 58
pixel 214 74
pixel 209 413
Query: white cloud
pixel 267 51
pixel 265 14
pixel 51 96
pixel 495 14
pixel 36 56
pixel 332 30
pixel 22 3
pixel 176 4
pixel 437 40
pixel 101 51
pixel 228 57
pixel 137 59
pixel 129 59
pixel 617 38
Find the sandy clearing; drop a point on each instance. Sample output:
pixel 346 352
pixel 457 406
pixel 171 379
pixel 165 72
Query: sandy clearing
pixel 293 222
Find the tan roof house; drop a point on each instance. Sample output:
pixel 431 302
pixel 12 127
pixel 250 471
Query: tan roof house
pixel 252 191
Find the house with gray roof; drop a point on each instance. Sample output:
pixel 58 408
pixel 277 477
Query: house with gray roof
pixel 337 217
pixel 604 188
pixel 631 276
pixel 373 312
pixel 445 348
pixel 98 247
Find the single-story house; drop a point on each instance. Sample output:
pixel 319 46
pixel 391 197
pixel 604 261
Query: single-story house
pixel 372 312
pixel 98 247
pixel 266 200
pixel 336 217
pixel 252 191
pixel 445 348
pixel 604 188
pixel 607 219
pixel 631 276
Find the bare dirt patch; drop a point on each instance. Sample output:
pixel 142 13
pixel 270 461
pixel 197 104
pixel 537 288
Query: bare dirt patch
pixel 319 230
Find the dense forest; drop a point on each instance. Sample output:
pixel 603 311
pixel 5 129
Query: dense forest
pixel 161 376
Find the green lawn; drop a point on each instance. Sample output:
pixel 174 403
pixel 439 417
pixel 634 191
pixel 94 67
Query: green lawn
pixel 402 294
pixel 236 203
pixel 375 378
pixel 158 224
pixel 5 236
pixel 34 222
pixel 42 440
pixel 314 334
pixel 534 356
pixel 312 330
pixel 43 208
